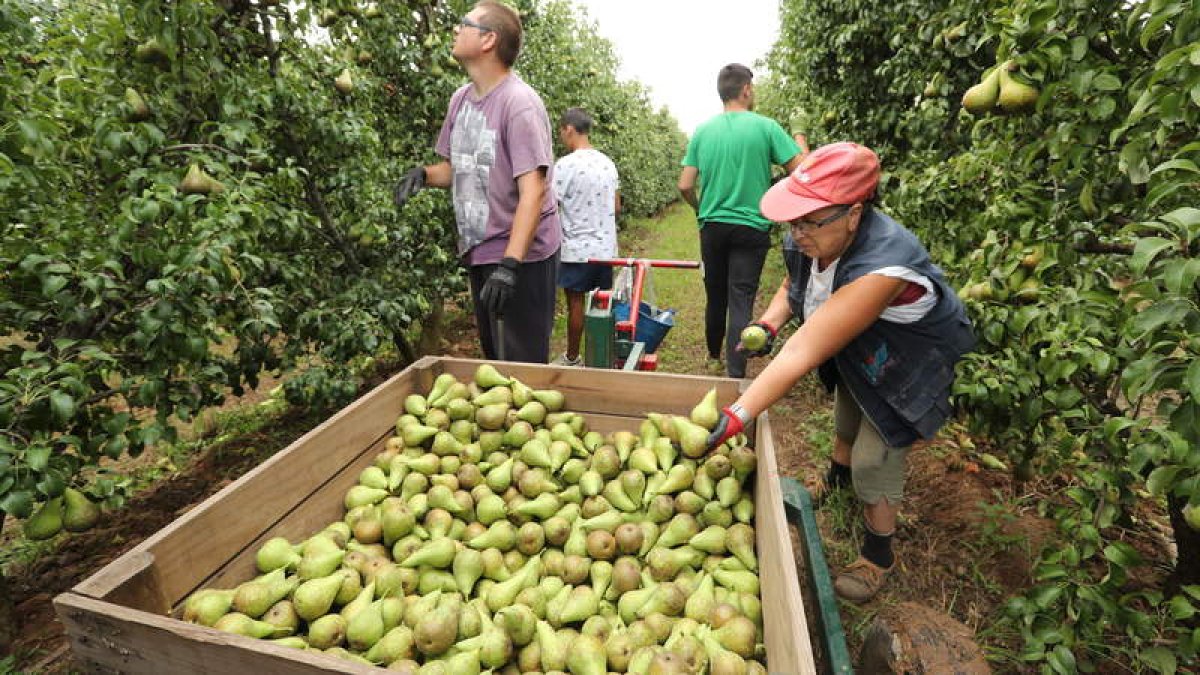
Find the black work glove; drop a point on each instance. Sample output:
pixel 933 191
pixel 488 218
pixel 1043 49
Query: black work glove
pixel 732 422
pixel 770 330
pixel 500 286
pixel 409 185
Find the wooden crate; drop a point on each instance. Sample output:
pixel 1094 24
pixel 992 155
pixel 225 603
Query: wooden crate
pixel 121 619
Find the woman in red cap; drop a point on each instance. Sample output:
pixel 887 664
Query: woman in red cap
pixel 880 325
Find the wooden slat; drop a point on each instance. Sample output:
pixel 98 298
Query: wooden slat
pixel 786 628
pixel 612 392
pixel 108 638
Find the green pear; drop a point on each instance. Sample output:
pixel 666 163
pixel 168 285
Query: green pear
pixel 552 399
pixel 744 462
pixel 981 98
pixel 729 491
pixel 206 606
pixel 79 513
pixel 396 644
pixel 679 478
pixel 665 452
pixel 254 598
pixel 344 82
pixel 238 623
pixel 700 603
pixel 363 600
pixel 665 425
pixel 711 540
pixel 486 376
pixel 491 417
pixel 668 599
pixel 715 514
pixel 606 461
pixel 197 182
pixel 1014 96
pixel 693 438
pixel 666 563
pixel 522 393
pixel 416 404
pixel 314 597
pixel 151 51
pixel 542 507
pixel 661 509
pixel 438 553
pixel 582 603
pixel 586 656
pixel 742 581
pixel 46 521
pixel 551 647
pixel 468 568
pixel 681 529
pixel 519 622
pixel 327 631
pixel 366 627
pixel 294 642
pixel 319 564
pixel 417 607
pixel 361 495
pixel 704 486
pixel 500 534
pixel 615 493
pixel 504 592
pixel 441 384
pixel 535 453
pixel 276 553
pixel 282 615
pixel 741 544
pixel 738 635
pixel 706 413
pixel 438 629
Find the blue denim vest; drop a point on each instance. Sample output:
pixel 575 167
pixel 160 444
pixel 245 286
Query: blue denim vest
pixel 899 374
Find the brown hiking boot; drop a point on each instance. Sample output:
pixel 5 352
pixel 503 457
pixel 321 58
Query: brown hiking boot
pixel 861 580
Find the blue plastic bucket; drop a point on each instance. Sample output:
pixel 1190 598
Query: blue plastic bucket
pixel 651 329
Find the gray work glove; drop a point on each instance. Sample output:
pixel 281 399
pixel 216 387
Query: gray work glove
pixel 500 287
pixel 409 185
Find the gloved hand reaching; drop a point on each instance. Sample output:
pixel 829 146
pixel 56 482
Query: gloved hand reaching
pixel 757 339
pixel 500 286
pixel 409 185
pixel 732 421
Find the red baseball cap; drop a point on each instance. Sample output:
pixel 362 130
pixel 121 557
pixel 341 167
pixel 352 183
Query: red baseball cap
pixel 838 173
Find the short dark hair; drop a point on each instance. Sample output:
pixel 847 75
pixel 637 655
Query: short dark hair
pixel 578 119
pixel 731 80
pixel 506 23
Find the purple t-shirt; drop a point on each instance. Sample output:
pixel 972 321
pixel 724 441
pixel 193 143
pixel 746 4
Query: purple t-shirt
pixel 490 142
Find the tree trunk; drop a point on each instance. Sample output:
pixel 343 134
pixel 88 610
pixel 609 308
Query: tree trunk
pixel 8 618
pixel 1187 543
pixel 432 328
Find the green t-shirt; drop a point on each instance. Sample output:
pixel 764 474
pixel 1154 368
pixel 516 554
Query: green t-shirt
pixel 734 152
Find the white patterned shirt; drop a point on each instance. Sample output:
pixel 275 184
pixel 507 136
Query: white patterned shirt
pixel 586 184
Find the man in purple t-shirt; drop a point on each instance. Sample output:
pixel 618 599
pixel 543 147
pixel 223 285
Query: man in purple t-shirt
pixel 499 167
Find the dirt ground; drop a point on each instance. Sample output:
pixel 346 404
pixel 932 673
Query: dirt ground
pixel 960 552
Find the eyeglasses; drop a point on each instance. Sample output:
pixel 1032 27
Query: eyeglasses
pixel 468 22
pixel 805 224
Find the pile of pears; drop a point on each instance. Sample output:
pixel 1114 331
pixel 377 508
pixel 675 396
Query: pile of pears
pixel 496 533
pixel 1000 92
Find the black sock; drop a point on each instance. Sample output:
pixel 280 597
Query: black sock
pixel 878 548
pixel 839 476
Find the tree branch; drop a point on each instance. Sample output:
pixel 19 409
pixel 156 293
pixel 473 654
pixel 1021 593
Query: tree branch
pixel 185 147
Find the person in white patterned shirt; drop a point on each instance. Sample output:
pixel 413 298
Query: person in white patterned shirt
pixel 589 197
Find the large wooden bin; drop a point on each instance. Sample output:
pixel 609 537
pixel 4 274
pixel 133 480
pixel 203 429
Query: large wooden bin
pixel 122 618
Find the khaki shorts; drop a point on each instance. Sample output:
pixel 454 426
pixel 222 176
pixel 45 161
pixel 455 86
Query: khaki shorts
pixel 877 469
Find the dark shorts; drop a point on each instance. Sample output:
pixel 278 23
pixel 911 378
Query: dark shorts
pixel 584 276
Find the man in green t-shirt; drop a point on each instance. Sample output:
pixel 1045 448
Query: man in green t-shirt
pixel 730 157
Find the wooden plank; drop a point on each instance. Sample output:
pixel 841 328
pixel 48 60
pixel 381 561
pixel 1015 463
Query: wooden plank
pixel 107 638
pixel 205 538
pixel 612 392
pixel 785 625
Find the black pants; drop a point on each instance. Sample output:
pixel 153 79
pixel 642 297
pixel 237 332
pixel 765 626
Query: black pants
pixel 529 317
pixel 733 260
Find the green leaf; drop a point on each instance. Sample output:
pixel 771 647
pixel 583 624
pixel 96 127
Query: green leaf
pixel 1123 555
pixel 1162 478
pixel 1191 379
pixel 1062 661
pixel 1180 608
pixel 1106 82
pixel 37 457
pixel 18 504
pixel 1180 275
pixel 1170 311
pixel 1160 659
pixel 1177 164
